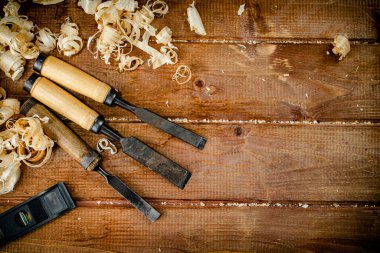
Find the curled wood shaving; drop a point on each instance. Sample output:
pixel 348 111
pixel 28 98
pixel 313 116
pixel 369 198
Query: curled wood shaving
pixel 182 74
pixel 9 171
pixel 105 144
pixel 158 7
pixel 89 6
pixel 195 20
pixel 143 17
pixel 18 23
pixel 11 8
pixel 8 107
pixel 22 141
pixel 69 41
pixel 129 63
pixel 121 25
pixel 341 46
pixel 241 9
pixel 12 65
pixel 21 46
pixel 47 2
pixel 46 40
pixel 127 5
pixel 165 37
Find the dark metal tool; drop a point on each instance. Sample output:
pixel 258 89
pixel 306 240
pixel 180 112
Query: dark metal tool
pixel 35 212
pixel 88 158
pixel 70 107
pixel 76 80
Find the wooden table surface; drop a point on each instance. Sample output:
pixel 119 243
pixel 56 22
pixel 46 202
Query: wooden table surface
pixel 292 159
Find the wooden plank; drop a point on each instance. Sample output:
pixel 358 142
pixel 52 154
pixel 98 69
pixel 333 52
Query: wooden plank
pixel 247 82
pixel 262 19
pixel 241 162
pixel 245 229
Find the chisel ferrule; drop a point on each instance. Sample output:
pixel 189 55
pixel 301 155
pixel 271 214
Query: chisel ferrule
pixel 39 63
pixel 97 125
pixel 110 98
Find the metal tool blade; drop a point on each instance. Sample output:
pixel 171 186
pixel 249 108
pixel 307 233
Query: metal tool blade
pixel 133 198
pixel 155 161
pixel 165 125
pixel 170 128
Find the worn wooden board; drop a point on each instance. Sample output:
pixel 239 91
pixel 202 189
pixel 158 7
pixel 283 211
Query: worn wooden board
pixel 243 229
pixel 262 20
pixel 237 82
pixel 242 162
pixel 273 187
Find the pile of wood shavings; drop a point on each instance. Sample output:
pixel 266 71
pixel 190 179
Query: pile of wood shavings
pixel 23 140
pixel 122 26
pixel 17 34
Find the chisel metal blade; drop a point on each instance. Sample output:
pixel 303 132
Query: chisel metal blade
pixel 165 125
pixel 170 128
pixel 139 203
pixel 150 158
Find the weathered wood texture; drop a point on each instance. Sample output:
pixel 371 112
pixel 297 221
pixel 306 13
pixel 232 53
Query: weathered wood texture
pixel 240 162
pixel 262 19
pixel 237 82
pixel 243 229
pixel 332 169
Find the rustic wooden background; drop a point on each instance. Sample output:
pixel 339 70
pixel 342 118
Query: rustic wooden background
pixel 292 162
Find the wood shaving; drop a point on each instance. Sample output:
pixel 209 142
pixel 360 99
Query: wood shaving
pixel 158 7
pixel 129 62
pixel 122 26
pixel 341 46
pixel 46 40
pixel 127 5
pixel 17 35
pixel 241 9
pixel 69 41
pixel 182 74
pixel 105 144
pixel 47 2
pixel 89 6
pixel 195 20
pixel 20 45
pixel 22 141
pixel 12 65
pixel 11 8
pixel 165 37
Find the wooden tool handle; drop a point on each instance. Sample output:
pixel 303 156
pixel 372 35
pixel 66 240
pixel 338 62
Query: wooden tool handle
pixel 74 79
pixel 63 135
pixel 63 102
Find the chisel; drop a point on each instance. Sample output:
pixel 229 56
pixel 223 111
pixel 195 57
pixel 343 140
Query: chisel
pixel 77 80
pixel 88 158
pixel 70 107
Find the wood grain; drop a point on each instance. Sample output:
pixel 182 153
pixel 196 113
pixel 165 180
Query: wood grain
pixel 74 79
pixel 272 187
pixel 244 82
pixel 66 139
pixel 245 229
pixel 62 102
pixel 262 19
pixel 241 162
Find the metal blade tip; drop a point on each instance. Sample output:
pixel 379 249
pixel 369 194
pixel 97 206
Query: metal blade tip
pixel 201 143
pixel 153 215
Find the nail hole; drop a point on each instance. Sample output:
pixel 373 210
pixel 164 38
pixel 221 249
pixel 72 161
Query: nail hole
pixel 199 83
pixel 238 131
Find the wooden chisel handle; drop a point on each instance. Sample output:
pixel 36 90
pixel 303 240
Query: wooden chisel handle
pixel 63 135
pixel 72 78
pixel 61 101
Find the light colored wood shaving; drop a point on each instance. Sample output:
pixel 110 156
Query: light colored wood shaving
pixel 105 144
pixel 182 74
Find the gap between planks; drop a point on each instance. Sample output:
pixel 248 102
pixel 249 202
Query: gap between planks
pixel 274 41
pixel 209 203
